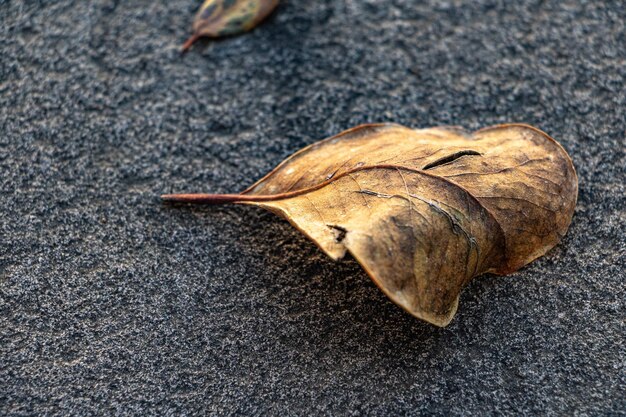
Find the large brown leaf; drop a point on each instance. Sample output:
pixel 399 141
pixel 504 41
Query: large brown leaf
pixel 424 211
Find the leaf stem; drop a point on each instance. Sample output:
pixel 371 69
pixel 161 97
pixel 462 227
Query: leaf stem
pixel 212 199
pixel 192 39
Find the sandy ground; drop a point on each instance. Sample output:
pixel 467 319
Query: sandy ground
pixel 111 303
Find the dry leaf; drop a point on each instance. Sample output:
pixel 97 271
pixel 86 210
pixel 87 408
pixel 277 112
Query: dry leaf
pixel 217 18
pixel 424 211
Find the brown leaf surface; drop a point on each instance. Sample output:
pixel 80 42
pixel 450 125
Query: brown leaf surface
pixel 424 211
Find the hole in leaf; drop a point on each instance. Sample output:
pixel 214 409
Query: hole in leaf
pixel 450 158
pixel 339 232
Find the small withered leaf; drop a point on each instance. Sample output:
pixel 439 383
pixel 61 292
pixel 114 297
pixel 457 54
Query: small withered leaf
pixel 217 18
pixel 423 211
